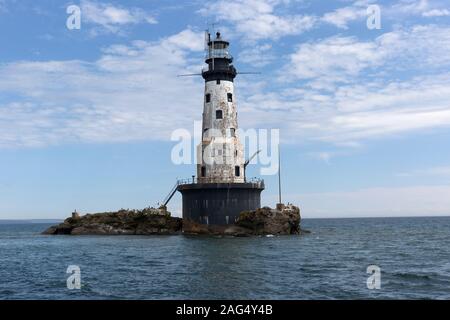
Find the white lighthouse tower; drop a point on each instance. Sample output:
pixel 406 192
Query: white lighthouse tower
pixel 221 157
pixel 221 191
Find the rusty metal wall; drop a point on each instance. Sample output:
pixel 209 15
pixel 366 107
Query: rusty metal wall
pixel 219 203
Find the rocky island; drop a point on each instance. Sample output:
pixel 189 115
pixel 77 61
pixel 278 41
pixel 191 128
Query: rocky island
pixel 284 220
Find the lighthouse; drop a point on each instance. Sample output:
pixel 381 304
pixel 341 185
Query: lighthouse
pixel 221 157
pixel 221 190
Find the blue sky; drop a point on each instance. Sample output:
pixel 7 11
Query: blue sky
pixel 86 115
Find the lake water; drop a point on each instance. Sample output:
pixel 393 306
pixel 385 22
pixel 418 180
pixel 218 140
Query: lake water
pixel 329 263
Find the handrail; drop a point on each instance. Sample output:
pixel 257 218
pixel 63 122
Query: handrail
pixel 253 180
pixel 218 55
pixel 170 195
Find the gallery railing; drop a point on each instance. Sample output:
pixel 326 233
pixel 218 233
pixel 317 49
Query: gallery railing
pixel 256 181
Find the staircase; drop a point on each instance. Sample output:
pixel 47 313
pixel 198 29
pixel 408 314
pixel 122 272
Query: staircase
pixel 170 195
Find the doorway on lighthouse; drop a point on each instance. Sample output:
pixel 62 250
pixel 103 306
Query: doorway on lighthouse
pixel 203 173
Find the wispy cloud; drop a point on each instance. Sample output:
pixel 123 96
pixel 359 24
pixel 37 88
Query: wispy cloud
pixel 338 89
pixel 341 90
pixel 342 16
pixel 257 19
pixel 130 93
pixel 110 18
pixel 257 56
pixel 437 13
pixel 335 58
pixel 410 7
pixel 344 58
pixel 423 8
pixel 353 112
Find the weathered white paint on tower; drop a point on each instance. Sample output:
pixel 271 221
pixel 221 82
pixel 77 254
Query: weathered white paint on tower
pixel 221 151
pixel 221 191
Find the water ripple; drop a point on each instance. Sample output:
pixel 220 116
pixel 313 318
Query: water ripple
pixel 328 264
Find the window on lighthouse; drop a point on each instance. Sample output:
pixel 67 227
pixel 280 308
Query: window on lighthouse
pixel 237 171
pixel 231 133
pixel 230 97
pixel 219 114
pixel 208 98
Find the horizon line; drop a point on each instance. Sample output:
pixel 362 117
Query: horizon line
pixel 306 218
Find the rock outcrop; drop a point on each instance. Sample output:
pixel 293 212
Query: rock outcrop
pixel 284 220
pixel 148 221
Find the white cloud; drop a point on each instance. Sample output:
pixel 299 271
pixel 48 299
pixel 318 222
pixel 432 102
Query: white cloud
pixel 340 91
pixel 344 58
pixel 335 58
pixel 129 93
pixel 186 40
pixel 353 112
pixel 132 92
pixel 257 56
pixel 373 202
pixel 404 9
pixel 437 13
pixel 347 93
pixel 112 18
pixel 361 125
pixel 257 19
pixel 342 16
pixel 410 7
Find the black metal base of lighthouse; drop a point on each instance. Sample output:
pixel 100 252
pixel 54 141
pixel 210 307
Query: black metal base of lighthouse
pixel 219 203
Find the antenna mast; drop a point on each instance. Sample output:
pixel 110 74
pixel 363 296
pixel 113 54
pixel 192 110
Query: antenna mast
pixel 279 174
